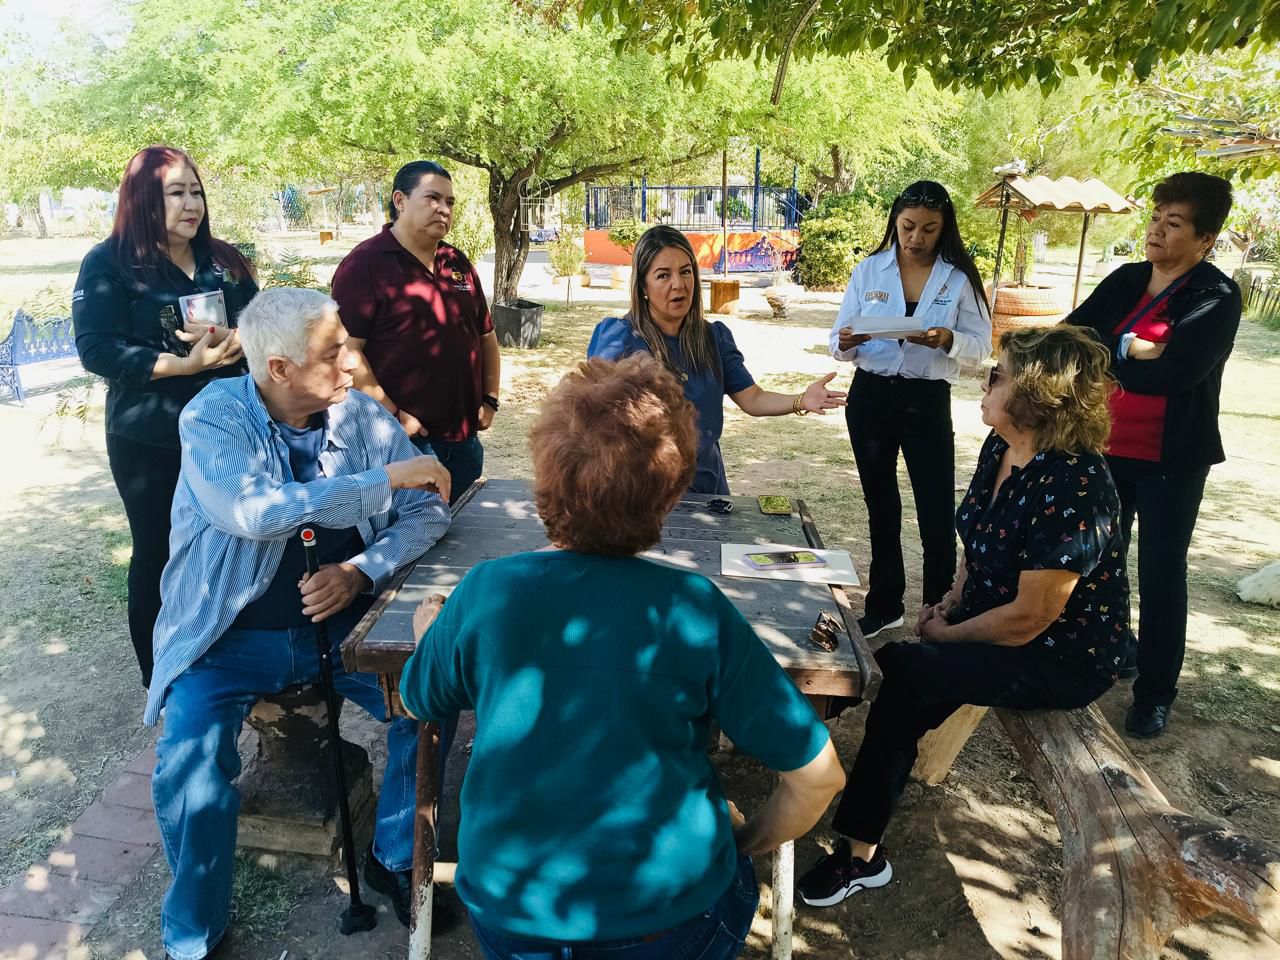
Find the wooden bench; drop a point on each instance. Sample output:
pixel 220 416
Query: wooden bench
pixel 1135 868
pixel 30 341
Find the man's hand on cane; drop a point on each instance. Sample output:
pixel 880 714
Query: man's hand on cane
pixel 331 590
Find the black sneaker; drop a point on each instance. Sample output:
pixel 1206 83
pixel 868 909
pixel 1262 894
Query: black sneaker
pixel 871 626
pixel 398 885
pixel 841 874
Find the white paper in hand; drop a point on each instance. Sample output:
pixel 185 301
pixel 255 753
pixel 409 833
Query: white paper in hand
pixel 205 309
pixel 889 328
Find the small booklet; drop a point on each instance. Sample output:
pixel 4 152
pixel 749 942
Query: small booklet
pixel 205 309
pixel 836 566
pixel 889 328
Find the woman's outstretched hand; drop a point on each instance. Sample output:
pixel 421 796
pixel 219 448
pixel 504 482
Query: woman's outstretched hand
pixel 818 399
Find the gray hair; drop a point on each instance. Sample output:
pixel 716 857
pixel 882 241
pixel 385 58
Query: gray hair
pixel 279 323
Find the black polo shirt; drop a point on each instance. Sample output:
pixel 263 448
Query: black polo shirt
pixel 422 329
pixel 123 322
pixel 1059 512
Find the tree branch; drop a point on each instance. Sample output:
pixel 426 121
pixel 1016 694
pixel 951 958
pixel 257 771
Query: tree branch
pixel 387 151
pixel 604 169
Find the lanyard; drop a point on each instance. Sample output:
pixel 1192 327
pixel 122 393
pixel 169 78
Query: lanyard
pixel 1153 303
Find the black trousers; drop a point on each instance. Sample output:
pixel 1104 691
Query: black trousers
pixel 1166 506
pixel 885 415
pixel 146 477
pixel 924 683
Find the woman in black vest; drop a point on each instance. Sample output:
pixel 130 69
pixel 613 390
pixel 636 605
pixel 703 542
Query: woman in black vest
pixel 1170 324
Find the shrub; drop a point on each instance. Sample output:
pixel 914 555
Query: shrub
pixel 739 209
pixel 626 233
pixel 838 231
pixel 1124 247
pixel 289 269
pixel 566 254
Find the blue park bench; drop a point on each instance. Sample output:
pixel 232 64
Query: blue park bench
pixel 31 341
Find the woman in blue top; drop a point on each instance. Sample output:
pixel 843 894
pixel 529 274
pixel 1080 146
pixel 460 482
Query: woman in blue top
pixel 593 823
pixel 666 320
pixel 922 276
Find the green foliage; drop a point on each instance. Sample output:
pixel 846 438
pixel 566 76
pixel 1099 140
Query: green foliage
pixel 289 269
pixel 472 230
pixel 835 234
pixel 74 400
pixel 986 44
pixel 1198 102
pixel 626 233
pixel 738 209
pixel 566 254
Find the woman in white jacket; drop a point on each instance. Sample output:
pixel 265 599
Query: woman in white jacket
pixel 901 395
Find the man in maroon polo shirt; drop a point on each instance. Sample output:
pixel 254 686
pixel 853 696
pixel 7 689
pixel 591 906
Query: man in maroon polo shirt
pixel 420 327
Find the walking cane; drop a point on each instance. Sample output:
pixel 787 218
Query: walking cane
pixel 359 916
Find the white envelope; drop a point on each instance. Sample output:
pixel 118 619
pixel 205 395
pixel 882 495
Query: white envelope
pixel 890 328
pixel 206 309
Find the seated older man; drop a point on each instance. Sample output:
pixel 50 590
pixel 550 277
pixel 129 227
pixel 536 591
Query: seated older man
pixel 262 455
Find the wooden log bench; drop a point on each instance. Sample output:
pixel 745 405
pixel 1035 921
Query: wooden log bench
pixel 1135 868
pixel 30 341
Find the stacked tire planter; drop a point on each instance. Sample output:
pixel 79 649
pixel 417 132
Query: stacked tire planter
pixel 1030 305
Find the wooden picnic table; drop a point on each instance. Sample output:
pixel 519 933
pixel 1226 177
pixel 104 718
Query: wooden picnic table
pixel 498 518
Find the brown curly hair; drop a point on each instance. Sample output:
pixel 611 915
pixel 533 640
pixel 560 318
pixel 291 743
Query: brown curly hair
pixel 1060 387
pixel 613 449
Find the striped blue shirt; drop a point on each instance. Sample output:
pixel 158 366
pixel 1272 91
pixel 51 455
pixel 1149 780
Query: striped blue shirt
pixel 236 506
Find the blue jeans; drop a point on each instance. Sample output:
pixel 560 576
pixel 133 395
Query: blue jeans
pixel 464 459
pixel 717 934
pixel 196 802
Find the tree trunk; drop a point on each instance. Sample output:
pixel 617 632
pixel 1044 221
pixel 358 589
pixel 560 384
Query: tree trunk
pixel 42 229
pixel 510 239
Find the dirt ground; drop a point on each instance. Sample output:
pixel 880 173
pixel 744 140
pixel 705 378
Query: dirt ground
pixel 976 860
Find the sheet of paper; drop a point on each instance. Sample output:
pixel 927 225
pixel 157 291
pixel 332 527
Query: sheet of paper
pixel 838 568
pixel 206 309
pixel 892 328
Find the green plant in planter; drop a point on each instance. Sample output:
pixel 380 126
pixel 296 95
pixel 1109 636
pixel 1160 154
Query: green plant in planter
pixel 626 234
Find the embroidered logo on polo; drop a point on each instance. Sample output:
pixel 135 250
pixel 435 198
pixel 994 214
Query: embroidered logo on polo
pixel 460 281
pixel 881 295
pixel 940 294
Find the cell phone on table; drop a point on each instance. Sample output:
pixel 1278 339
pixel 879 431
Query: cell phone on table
pixel 783 559
pixel 774 505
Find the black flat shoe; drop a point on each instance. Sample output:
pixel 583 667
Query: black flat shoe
pixel 1146 721
pixel 398 886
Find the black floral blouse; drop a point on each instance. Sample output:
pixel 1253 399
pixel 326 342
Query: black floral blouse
pixel 1059 512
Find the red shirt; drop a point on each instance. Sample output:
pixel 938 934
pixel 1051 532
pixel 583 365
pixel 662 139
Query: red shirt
pixel 1137 419
pixel 422 329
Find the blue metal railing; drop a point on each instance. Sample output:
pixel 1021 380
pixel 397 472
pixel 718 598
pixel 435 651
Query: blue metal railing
pixel 695 208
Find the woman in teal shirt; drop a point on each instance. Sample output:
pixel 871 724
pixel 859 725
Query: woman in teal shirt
pixel 592 817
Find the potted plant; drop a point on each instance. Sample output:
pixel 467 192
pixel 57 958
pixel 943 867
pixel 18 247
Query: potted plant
pixel 624 234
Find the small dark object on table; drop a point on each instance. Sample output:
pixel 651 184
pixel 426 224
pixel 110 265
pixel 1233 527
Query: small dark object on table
pixel 826 632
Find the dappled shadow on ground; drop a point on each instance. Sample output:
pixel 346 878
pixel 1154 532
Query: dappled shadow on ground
pixel 70 696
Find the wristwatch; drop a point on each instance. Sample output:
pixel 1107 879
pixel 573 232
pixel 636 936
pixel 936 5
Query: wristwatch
pixel 489 400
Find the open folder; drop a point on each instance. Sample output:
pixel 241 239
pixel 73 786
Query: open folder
pixel 837 569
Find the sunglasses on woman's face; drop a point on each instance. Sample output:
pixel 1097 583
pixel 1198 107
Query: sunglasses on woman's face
pixel 993 377
pixel 928 201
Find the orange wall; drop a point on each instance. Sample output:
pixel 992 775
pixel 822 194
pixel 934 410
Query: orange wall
pixel 600 249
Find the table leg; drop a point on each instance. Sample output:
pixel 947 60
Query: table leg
pixel 784 871
pixel 424 841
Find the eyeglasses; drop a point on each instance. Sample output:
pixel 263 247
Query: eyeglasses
pixel 918 198
pixel 993 376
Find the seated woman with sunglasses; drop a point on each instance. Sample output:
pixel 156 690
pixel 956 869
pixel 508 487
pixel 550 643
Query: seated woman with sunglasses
pixel 901 394
pixel 1038 615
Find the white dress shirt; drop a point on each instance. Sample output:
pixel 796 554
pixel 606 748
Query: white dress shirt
pixel 948 300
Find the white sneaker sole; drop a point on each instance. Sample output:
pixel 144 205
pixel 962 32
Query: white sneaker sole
pixel 862 883
pixel 888 626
